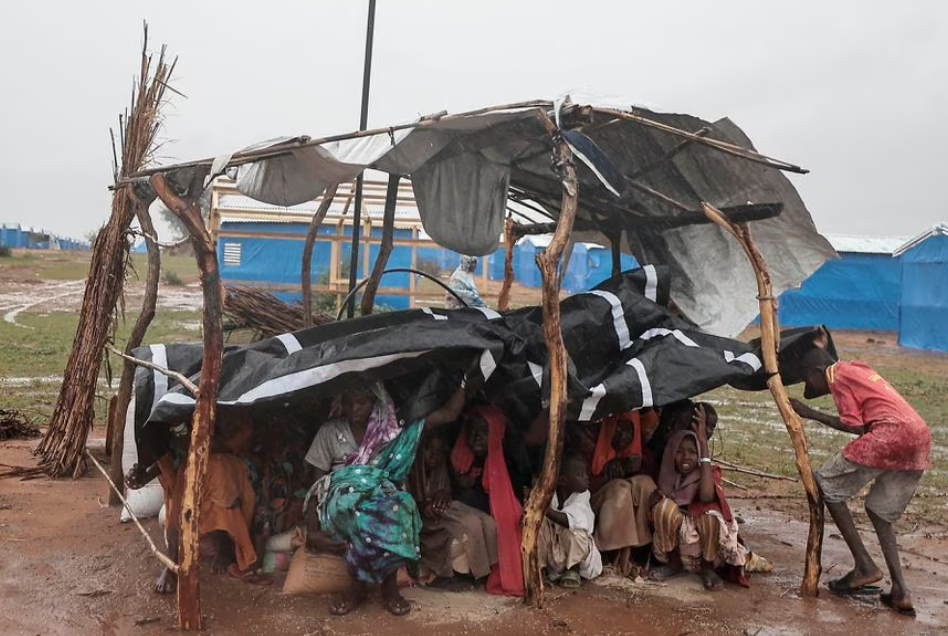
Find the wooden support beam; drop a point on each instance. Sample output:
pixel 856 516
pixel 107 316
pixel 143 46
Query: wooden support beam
pixel 388 235
pixel 188 212
pixel 547 261
pixel 769 342
pixel 616 253
pixel 124 395
pixel 510 240
pixel 668 156
pixel 306 272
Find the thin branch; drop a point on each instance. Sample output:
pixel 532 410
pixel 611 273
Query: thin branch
pixel 165 560
pixel 752 471
pixel 154 367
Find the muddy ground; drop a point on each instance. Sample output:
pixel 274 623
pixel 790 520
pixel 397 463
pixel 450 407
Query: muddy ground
pixel 67 566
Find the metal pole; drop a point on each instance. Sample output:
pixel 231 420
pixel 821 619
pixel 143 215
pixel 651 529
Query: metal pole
pixel 363 121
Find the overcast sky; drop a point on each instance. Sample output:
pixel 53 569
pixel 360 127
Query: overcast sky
pixel 855 91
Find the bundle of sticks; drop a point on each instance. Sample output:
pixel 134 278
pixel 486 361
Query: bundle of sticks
pixel 268 315
pixel 14 425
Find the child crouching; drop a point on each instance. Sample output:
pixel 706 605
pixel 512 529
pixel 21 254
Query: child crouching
pixel 566 545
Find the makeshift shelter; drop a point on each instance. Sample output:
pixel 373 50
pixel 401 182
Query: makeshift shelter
pixel 671 190
pixel 859 290
pixel 924 296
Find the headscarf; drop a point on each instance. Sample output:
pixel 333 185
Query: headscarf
pixel 604 452
pixel 683 489
pixel 507 576
pixel 382 428
pixel 680 488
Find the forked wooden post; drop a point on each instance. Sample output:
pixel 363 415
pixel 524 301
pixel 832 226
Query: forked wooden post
pixel 769 343
pixel 124 395
pixel 510 239
pixel 547 261
pixel 306 272
pixel 205 410
pixel 385 250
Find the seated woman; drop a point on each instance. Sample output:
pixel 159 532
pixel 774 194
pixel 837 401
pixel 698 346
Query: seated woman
pixel 621 504
pixel 227 502
pixel 360 508
pixel 694 529
pixel 482 480
pixel 457 541
pixel 567 550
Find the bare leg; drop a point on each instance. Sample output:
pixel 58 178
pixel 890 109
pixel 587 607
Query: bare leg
pixel 865 570
pixel 900 595
pixel 392 598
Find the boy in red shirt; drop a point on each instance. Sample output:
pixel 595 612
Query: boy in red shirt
pixel 892 451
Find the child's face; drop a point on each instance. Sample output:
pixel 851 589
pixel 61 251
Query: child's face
pixel 575 477
pixel 435 453
pixel 686 457
pixel 476 432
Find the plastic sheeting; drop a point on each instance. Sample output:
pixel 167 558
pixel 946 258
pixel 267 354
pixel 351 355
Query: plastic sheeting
pixel 626 351
pixel 713 284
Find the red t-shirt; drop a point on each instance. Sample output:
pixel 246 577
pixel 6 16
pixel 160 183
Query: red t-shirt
pixel 898 438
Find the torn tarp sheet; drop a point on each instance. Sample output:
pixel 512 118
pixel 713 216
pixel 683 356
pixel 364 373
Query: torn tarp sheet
pixel 625 350
pixel 461 167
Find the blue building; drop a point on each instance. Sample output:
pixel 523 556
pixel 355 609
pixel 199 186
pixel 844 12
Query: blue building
pixel 923 308
pixel 859 290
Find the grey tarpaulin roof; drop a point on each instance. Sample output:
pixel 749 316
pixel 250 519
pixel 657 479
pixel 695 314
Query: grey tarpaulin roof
pixel 464 167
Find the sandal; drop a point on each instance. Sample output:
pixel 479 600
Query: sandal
pixel 252 577
pixel 665 573
pixel 396 605
pixel 711 581
pixel 571 580
pixel 345 603
pixel 886 599
pixel 841 587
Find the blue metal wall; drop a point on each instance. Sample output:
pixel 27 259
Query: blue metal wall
pixel 856 291
pixel 923 313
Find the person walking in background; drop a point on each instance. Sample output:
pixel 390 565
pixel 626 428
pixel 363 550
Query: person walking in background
pixel 462 284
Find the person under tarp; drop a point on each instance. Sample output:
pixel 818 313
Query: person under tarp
pixel 359 507
pixel 458 542
pixel 228 501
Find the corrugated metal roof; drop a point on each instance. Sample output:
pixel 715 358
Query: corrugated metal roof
pixel 941 228
pixel 856 244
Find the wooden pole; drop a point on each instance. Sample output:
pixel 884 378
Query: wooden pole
pixel 769 343
pixel 124 395
pixel 205 410
pixel 617 254
pixel 547 261
pixel 510 241
pixel 385 249
pixel 306 273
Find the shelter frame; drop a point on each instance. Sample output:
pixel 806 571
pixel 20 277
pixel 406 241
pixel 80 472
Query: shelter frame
pixel 548 261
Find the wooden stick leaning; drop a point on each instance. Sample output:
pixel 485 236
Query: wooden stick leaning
pixel 769 334
pixel 510 240
pixel 165 560
pixel 752 471
pixel 154 367
pixel 306 271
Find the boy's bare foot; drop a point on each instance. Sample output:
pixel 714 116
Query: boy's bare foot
pixel 167 582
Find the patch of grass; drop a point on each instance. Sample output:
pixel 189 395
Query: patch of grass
pixel 41 348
